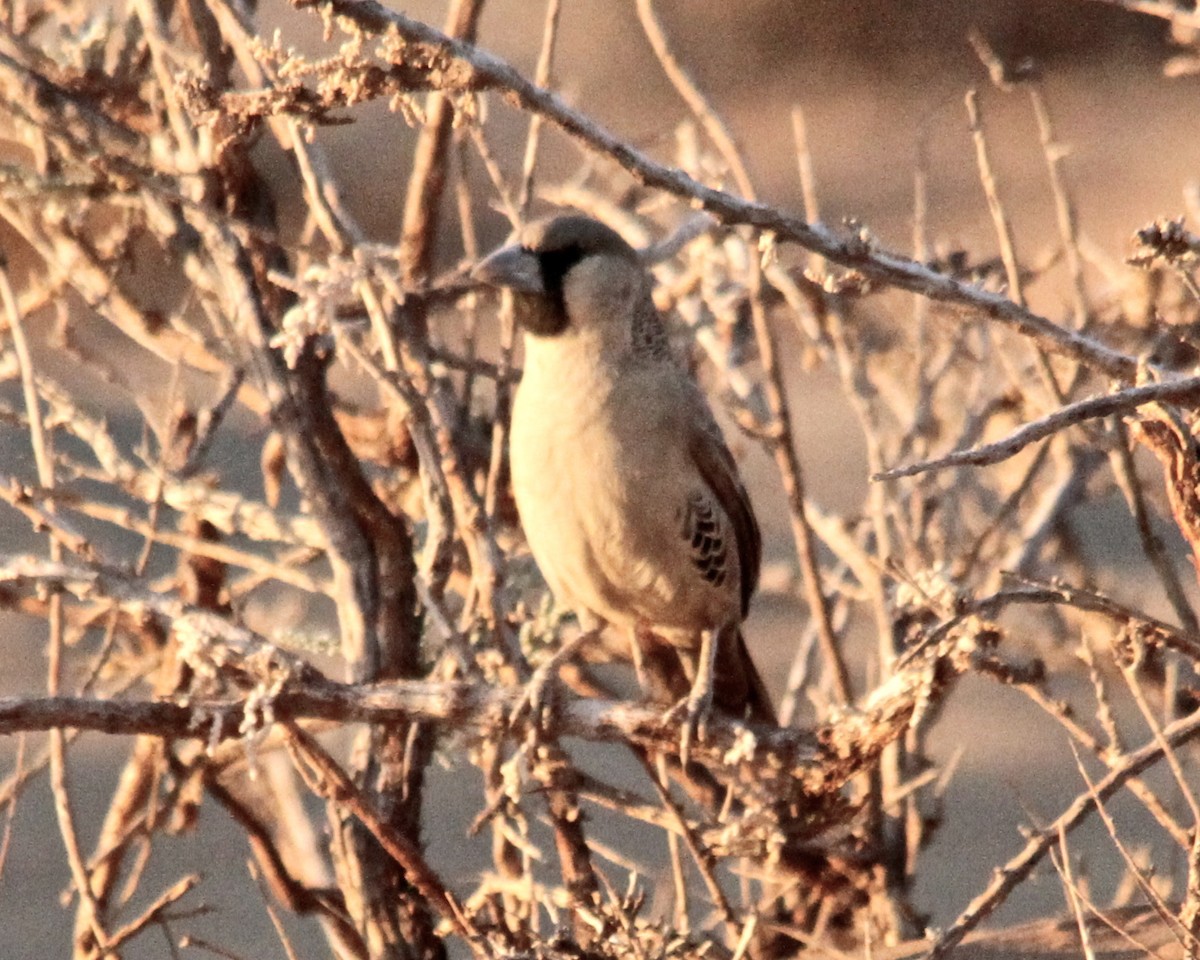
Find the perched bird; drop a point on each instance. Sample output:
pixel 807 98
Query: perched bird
pixel 630 500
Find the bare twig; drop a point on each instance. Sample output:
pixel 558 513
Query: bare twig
pixel 1042 841
pixel 1121 402
pixel 490 72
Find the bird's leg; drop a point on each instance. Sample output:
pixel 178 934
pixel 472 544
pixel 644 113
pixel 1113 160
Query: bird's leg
pixel 533 697
pixel 662 673
pixel 639 659
pixel 697 705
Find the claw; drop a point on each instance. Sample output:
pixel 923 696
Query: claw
pixel 533 701
pixel 692 713
pixel 696 707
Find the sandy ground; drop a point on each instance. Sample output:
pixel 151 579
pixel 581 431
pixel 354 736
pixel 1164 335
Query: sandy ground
pixel 869 94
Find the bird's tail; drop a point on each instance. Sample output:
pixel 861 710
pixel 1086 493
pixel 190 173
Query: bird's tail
pixel 739 687
pixel 759 706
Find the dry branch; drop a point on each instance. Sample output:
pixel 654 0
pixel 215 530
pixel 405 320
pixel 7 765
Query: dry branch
pixel 1072 414
pixel 488 72
pixel 385 496
pixel 1043 841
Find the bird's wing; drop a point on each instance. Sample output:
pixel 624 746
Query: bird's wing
pixel 712 458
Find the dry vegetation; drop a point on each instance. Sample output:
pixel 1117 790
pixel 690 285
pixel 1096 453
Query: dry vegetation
pixel 369 384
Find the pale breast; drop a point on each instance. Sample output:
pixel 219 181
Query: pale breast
pixel 611 504
pixel 549 427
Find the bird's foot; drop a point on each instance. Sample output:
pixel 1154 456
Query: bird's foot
pixel 696 707
pixel 533 702
pixel 692 712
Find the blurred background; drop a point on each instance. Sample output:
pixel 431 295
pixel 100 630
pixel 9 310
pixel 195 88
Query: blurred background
pixel 879 82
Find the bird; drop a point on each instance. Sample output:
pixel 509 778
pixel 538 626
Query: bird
pixel 630 500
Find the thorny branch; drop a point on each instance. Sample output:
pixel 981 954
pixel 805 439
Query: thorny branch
pixel 136 150
pixel 491 73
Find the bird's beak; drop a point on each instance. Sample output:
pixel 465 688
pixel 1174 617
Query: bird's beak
pixel 513 267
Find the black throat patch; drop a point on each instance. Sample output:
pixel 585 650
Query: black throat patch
pixel 548 317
